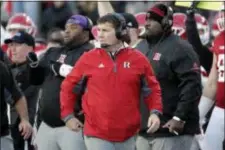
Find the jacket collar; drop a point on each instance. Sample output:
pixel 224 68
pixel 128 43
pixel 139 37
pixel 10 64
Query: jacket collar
pixel 85 45
pixel 161 37
pixel 125 45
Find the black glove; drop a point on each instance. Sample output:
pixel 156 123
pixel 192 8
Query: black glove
pixel 55 66
pixel 32 59
pixel 191 11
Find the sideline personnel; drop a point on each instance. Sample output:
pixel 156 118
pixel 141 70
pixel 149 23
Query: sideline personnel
pixel 115 76
pixel 20 45
pixel 50 72
pixel 7 82
pixel 176 66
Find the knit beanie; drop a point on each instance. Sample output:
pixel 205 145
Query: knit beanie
pixel 157 12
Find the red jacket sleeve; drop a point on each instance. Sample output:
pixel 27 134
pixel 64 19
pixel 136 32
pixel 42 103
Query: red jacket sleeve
pixel 152 89
pixel 67 95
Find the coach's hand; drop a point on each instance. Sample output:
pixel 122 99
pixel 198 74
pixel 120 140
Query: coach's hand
pixel 74 124
pixel 153 123
pixel 175 126
pixel 25 128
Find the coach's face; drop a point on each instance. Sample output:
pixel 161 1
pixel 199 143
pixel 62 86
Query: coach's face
pixel 107 34
pixel 153 28
pixel 72 33
pixel 19 52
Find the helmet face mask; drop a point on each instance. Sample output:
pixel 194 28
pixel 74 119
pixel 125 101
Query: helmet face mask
pixel 13 31
pixel 203 28
pixel 204 33
pixel 179 27
pixel 178 31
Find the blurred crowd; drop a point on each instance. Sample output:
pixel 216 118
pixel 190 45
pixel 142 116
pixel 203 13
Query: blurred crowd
pixel 49 14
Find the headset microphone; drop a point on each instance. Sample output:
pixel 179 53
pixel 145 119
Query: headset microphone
pixel 104 45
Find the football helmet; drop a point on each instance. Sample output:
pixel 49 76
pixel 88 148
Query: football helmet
pixel 21 21
pixel 203 28
pixel 179 26
pixel 218 23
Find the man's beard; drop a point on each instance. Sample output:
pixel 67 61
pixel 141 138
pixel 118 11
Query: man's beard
pixel 155 36
pixel 70 43
pixel 73 41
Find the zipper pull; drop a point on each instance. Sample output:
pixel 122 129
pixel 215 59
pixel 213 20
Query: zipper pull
pixel 112 55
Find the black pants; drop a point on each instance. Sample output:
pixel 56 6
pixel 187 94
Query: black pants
pixel 18 141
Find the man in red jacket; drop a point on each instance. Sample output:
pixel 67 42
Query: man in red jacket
pixel 114 77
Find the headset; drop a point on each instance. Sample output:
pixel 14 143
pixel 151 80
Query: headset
pixel 89 24
pixel 121 30
pixel 89 28
pixel 167 21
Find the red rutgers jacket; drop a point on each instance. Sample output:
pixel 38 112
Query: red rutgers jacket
pixel 112 96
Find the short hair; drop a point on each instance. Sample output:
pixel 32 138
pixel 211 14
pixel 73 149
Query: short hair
pixel 109 18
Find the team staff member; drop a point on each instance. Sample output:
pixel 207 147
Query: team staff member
pixel 20 45
pixel 115 75
pixel 177 69
pixel 50 72
pixel 7 82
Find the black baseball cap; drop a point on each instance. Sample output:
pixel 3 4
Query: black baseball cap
pixel 21 37
pixel 131 21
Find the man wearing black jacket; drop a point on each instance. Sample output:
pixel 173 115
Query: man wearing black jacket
pixel 21 44
pixel 176 67
pixel 8 83
pixel 50 71
pixel 203 51
pixel 205 55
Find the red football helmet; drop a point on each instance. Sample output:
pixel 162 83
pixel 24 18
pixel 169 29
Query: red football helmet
pixel 218 23
pixel 203 28
pixel 21 21
pixel 141 19
pixel 179 25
